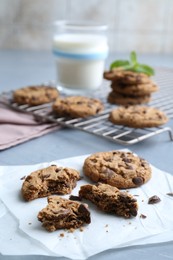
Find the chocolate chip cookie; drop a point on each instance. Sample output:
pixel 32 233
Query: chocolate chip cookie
pixel 110 199
pixel 35 95
pixel 63 214
pixel 138 116
pixel 137 90
pixel 47 181
pixel 124 100
pixel 77 106
pixel 117 168
pixel 126 77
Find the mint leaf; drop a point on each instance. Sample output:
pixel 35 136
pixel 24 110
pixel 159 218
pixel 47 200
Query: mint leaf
pixel 133 58
pixel 144 69
pixel 119 63
pixel 133 65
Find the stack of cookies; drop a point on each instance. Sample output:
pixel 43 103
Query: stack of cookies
pixel 129 88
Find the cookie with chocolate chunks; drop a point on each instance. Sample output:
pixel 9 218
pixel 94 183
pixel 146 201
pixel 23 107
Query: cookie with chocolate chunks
pixel 126 77
pixel 138 116
pixel 124 99
pixel 35 95
pixel 117 168
pixel 110 199
pixel 77 106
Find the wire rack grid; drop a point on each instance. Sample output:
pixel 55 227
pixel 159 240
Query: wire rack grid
pixel 99 124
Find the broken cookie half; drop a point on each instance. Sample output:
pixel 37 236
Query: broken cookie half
pixel 110 199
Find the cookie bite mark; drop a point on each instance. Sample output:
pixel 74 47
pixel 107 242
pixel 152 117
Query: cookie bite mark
pixel 110 199
pixel 116 168
pixel 63 214
pixel 50 180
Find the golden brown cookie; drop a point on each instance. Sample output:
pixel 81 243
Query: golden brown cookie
pixel 47 181
pixel 116 168
pixel 126 77
pixel 110 199
pixel 135 90
pixel 138 116
pixel 35 95
pixel 63 214
pixel 123 99
pixel 77 106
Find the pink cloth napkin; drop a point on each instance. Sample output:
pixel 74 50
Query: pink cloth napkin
pixel 17 127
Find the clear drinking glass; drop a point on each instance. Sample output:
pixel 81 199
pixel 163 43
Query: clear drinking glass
pixel 80 50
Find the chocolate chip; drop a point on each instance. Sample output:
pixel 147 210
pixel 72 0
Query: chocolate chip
pixel 133 212
pixel 76 198
pixel 126 160
pixel 170 194
pixel 23 178
pixel 142 216
pixel 46 176
pixel 57 170
pixel 128 166
pixel 82 209
pixel 154 199
pixel 138 181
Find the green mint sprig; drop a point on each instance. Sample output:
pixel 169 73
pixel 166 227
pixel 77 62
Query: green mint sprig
pixel 133 65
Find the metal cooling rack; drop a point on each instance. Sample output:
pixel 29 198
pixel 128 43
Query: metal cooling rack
pixel 99 124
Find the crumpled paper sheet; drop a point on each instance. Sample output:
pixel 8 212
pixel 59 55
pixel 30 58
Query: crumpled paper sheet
pixel 104 232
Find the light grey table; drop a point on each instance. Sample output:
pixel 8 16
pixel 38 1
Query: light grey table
pixel 20 68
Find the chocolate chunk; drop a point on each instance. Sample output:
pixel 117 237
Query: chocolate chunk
pixel 23 178
pixel 138 181
pixel 170 194
pixel 142 216
pixel 133 212
pixel 83 209
pixel 154 199
pixel 76 198
pixel 126 160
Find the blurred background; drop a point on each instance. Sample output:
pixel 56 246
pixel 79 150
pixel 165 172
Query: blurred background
pixel 142 25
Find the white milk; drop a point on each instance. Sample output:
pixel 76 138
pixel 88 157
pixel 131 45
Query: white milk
pixel 80 60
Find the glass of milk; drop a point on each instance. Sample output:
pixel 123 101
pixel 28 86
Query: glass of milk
pixel 80 50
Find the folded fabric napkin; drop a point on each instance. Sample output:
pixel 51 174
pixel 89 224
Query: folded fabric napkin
pixel 18 127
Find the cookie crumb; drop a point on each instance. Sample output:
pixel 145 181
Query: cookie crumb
pixel 81 229
pixel 154 199
pixel 61 235
pixel 106 225
pixel 71 230
pixel 142 216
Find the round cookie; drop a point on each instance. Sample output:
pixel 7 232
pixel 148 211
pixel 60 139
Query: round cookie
pixel 122 99
pixel 35 95
pixel 126 76
pixel 138 116
pixel 135 90
pixel 120 169
pixel 77 106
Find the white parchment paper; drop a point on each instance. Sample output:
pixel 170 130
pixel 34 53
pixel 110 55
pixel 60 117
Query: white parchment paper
pixel 104 232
